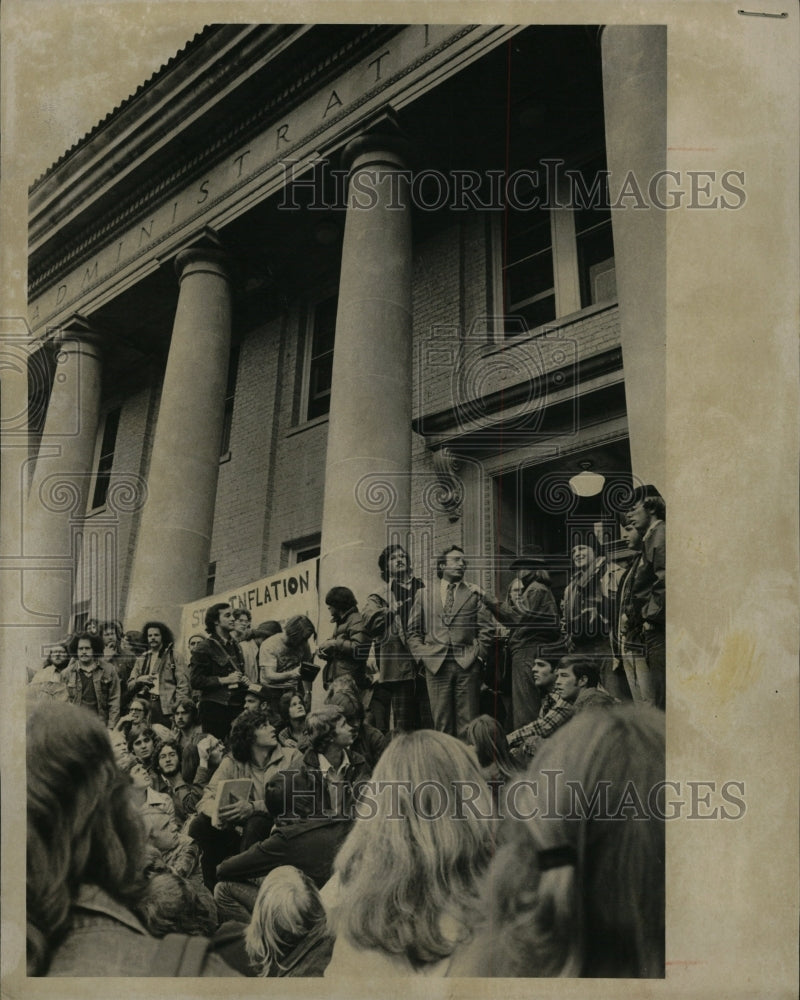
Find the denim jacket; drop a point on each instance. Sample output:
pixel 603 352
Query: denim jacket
pixel 106 687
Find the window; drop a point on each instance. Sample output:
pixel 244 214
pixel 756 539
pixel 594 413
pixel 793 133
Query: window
pixel 320 354
pixel 555 261
pixel 80 616
pixel 528 277
pixel 230 393
pixel 211 578
pixel 105 460
pixel 300 550
pixel 593 240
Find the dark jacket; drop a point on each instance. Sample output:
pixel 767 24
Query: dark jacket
pixel 387 630
pixel 106 689
pixel 311 777
pixel 307 844
pixel 649 586
pixel 370 744
pixel 533 621
pixel 350 654
pixel 309 958
pixel 211 660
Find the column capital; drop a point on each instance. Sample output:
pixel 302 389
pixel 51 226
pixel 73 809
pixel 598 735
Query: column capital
pixel 77 335
pixel 383 143
pixel 207 254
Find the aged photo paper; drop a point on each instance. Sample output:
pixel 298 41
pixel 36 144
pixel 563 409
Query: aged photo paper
pixel 725 446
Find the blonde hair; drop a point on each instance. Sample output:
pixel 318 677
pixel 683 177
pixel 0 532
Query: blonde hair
pixel 287 909
pixel 410 874
pixel 598 909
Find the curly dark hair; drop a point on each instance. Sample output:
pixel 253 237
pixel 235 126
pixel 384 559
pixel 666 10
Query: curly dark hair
pixel 243 734
pixel 167 638
pixel 95 640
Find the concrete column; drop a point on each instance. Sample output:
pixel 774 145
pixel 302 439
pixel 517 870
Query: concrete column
pixel 635 106
pixel 173 543
pixel 368 464
pixel 60 484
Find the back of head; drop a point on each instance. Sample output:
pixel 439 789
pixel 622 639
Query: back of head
pixel 287 910
pixel 419 858
pixel 341 599
pixel 578 890
pixel 169 904
pixel 320 726
pixel 82 827
pixel 488 738
pixel 265 630
pixel 298 629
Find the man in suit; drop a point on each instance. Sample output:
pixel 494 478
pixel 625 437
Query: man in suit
pixel 449 632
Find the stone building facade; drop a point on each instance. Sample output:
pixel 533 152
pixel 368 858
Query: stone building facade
pixel 316 288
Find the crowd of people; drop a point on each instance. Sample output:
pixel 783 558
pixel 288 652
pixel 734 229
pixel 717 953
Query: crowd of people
pixel 200 812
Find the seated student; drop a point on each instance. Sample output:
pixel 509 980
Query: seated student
pixel 293 715
pixel 286 934
pixel 406 891
pixel 578 890
pixel 333 770
pixel 486 737
pixel 178 851
pixel 254 754
pixel 170 904
pixel 257 698
pixel 187 733
pixel 299 838
pixel 577 686
pixel 143 745
pixel 184 795
pixel 138 718
pixel 86 858
pixel 367 740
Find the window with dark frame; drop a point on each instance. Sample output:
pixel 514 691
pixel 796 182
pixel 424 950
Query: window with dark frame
pixel 106 460
pixel 320 370
pixel 230 394
pixel 211 578
pixel 528 276
pixel 594 242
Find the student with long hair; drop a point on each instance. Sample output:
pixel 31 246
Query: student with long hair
pixel 287 934
pixel 578 889
pixel 48 682
pixel 486 737
pixel 407 878
pixel 86 856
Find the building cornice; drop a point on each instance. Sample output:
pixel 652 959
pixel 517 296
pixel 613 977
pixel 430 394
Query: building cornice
pixel 169 135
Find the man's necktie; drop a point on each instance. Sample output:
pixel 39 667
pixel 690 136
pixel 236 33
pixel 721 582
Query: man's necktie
pixel 449 599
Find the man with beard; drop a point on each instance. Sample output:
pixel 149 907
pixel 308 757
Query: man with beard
pixel 155 674
pixel 386 624
pixel 91 682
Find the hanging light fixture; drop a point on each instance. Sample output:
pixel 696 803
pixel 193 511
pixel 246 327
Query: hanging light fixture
pixel 587 483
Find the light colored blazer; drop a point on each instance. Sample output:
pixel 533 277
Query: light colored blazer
pixel 466 633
